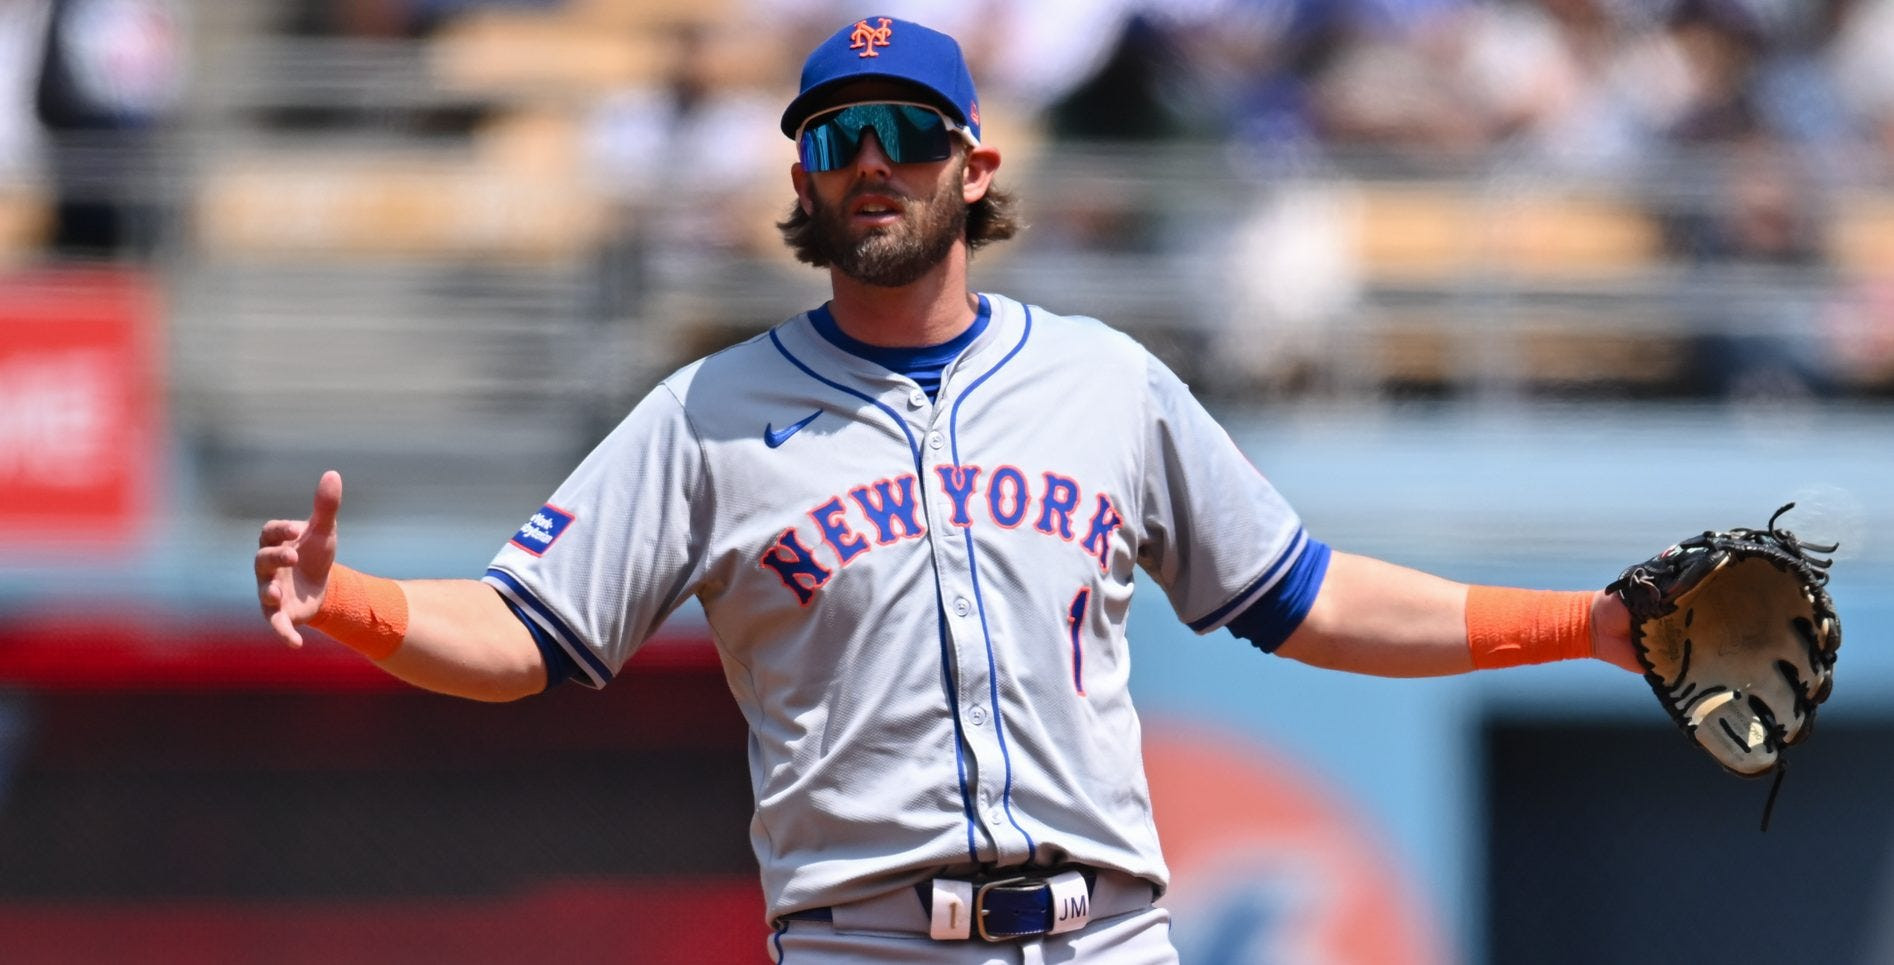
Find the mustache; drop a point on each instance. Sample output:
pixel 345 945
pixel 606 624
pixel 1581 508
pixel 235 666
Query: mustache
pixel 885 191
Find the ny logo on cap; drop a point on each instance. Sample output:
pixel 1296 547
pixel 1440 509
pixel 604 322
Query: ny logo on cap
pixel 866 38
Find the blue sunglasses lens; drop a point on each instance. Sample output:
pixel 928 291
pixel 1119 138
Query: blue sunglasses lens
pixel 908 135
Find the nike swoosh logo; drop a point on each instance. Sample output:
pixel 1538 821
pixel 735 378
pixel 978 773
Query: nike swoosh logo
pixel 773 437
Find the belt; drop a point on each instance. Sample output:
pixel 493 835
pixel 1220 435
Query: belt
pixel 1000 905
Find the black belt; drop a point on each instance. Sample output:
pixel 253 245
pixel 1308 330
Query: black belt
pixel 1008 903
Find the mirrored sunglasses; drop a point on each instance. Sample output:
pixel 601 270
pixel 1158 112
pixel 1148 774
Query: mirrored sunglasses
pixel 908 134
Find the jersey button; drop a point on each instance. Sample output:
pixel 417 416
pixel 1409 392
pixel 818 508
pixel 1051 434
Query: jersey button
pixel 917 398
pixel 962 607
pixel 936 440
pixel 977 715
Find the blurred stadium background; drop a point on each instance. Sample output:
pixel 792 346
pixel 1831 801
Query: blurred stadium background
pixel 1515 290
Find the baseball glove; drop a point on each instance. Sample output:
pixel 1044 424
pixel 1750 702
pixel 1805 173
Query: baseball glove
pixel 1738 639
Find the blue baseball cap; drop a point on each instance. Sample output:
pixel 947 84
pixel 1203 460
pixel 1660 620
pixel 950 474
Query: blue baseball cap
pixel 884 47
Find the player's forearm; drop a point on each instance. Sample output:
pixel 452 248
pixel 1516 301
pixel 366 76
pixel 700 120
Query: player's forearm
pixel 1375 617
pixel 456 637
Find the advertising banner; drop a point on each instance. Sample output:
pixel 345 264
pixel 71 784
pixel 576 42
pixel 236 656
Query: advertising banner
pixel 79 407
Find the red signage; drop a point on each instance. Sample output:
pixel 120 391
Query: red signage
pixel 79 406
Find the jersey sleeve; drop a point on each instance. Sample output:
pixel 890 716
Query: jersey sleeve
pixel 1214 533
pixel 617 547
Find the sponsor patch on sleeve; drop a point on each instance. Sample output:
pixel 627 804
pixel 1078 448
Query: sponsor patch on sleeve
pixel 538 534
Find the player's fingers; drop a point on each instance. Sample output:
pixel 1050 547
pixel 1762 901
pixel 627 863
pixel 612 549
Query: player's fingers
pixel 328 503
pixel 280 531
pixel 285 629
pixel 269 559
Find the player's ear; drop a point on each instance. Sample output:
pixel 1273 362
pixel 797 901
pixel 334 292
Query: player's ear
pixel 799 179
pixel 982 162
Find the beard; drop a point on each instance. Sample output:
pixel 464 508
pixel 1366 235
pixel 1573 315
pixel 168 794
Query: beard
pixel 896 255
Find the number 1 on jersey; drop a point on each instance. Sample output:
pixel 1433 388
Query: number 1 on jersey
pixel 1075 623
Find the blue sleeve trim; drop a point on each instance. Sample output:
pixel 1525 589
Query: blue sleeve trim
pixel 1254 591
pixel 559 665
pixel 1270 620
pixel 539 616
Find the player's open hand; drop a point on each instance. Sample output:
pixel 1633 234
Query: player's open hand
pixel 1611 632
pixel 292 562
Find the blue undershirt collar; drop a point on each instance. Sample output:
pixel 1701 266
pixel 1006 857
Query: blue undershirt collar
pixel 923 364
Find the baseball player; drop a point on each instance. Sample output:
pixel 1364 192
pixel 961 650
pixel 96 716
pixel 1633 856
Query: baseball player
pixel 912 516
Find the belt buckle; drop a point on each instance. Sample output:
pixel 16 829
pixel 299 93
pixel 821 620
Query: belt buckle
pixel 979 907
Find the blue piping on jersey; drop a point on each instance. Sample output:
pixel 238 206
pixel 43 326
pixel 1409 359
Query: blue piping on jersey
pixel 1242 600
pixel 946 652
pixel 953 707
pixel 594 667
pixel 973 572
pixel 914 445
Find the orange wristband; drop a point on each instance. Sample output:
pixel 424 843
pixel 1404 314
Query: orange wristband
pixel 367 614
pixel 1508 627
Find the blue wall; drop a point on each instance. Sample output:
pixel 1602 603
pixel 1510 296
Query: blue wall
pixel 1546 497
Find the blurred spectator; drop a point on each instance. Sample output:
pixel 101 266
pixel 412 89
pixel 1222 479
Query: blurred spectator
pixel 1797 95
pixel 1397 88
pixel 1858 328
pixel 1580 85
pixel 1290 275
pixel 112 75
pixel 22 37
pixel 1136 94
pixel 351 18
pixel 1721 52
pixel 691 160
pixel 1577 84
pixel 386 18
pixel 1757 268
pixel 1265 62
pixel 374 21
pixel 1861 60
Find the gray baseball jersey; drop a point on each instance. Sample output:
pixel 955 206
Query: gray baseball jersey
pixel 919 603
